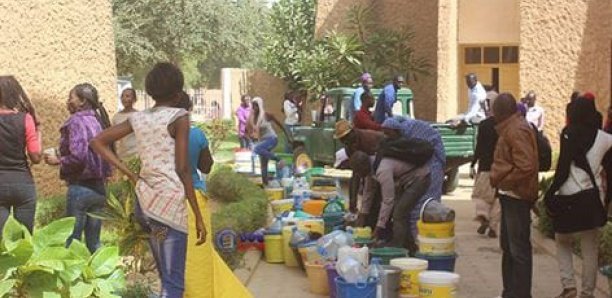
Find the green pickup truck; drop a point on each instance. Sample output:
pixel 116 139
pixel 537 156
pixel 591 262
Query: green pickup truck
pixel 316 145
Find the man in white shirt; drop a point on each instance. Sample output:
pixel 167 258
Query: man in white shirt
pixel 292 106
pixel 478 100
pixel 535 114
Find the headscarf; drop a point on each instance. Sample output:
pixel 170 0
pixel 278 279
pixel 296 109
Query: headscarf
pixel 256 123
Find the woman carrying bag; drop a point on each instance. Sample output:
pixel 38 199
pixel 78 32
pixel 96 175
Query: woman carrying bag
pixel 574 198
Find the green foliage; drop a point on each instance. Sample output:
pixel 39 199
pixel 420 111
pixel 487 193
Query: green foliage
pixel 217 131
pixel 49 209
pixel 544 223
pixel 605 245
pixel 40 265
pixel 137 290
pixel 387 51
pixel 200 35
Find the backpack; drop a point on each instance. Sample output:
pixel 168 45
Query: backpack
pixel 544 150
pixel 413 151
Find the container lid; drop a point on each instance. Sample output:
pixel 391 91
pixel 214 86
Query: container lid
pixel 438 277
pixel 410 263
pixel 435 240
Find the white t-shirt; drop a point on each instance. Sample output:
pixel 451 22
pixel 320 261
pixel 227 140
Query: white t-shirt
pixel 535 115
pixel 291 113
pixel 578 179
pixel 478 98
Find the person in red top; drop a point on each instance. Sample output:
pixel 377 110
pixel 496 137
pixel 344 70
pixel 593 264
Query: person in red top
pixel 363 119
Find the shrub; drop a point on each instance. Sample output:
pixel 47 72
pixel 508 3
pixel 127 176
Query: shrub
pixel 217 130
pixel 49 209
pixel 40 265
pixel 225 185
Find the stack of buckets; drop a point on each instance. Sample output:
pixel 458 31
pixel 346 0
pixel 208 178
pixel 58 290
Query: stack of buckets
pixel 437 248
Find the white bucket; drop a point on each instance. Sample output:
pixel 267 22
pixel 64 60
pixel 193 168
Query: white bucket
pixel 409 278
pixel 438 284
pixel 436 246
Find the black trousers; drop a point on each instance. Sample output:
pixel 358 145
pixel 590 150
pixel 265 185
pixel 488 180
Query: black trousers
pixel 515 242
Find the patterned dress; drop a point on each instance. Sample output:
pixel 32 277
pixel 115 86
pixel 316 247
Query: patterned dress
pixel 160 192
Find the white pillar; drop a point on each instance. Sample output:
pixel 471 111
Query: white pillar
pixel 226 90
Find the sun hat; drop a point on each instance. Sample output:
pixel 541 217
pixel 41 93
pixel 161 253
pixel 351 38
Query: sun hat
pixel 343 127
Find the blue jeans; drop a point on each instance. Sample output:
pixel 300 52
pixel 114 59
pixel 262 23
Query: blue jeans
pixel 245 142
pixel 81 201
pixel 169 249
pixel 264 150
pixel 21 199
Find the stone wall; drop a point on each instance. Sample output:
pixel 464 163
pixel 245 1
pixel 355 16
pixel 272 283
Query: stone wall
pixel 50 46
pixel 447 79
pixel 565 46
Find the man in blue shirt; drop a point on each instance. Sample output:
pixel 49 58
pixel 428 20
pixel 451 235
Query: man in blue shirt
pixel 354 105
pixel 386 100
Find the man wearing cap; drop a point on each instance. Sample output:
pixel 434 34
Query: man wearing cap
pixel 391 175
pixel 355 140
pixel 354 104
pixel 386 99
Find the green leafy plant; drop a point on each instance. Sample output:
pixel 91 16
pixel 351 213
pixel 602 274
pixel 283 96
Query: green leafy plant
pixel 40 265
pixel 50 208
pixel 217 131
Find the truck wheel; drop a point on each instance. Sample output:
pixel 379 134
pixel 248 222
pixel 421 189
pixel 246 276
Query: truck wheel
pixel 301 159
pixel 451 181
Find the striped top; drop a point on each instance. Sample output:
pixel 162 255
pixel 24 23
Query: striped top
pixel 160 192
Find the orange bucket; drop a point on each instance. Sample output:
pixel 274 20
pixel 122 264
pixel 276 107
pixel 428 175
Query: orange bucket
pixel 314 207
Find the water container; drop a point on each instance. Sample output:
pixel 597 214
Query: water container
pixel 345 289
pixel 317 276
pixel 390 282
pixel 439 263
pixel 274 248
pixel 298 237
pixel 438 284
pixel 288 255
pixel 332 274
pixel 375 273
pixel 409 280
pixel 329 244
pixel 351 270
pixel 360 254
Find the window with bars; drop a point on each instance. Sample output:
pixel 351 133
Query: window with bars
pixel 491 55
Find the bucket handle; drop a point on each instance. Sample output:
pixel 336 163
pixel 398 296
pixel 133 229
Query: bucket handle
pixel 423 207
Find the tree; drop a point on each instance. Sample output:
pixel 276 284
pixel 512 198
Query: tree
pixel 199 35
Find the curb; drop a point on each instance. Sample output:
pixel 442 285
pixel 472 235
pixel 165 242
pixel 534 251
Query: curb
pixel 251 261
pixel 549 246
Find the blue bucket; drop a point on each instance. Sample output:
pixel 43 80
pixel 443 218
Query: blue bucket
pixel 439 263
pixel 361 290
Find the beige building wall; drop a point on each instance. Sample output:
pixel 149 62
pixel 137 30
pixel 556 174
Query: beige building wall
pixel 50 46
pixel 565 46
pixel 447 92
pixel 488 21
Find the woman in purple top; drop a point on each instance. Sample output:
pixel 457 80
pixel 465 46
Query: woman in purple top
pixel 242 114
pixel 83 170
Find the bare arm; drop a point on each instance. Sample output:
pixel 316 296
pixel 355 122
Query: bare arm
pixel 280 125
pixel 102 143
pixel 181 129
pixel 205 161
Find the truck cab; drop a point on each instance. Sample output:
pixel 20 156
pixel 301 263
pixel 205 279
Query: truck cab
pixel 314 144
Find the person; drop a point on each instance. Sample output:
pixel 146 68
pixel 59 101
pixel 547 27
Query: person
pixel 354 140
pixel 583 147
pixel 292 107
pixel 242 114
pixel 21 142
pixel 203 263
pixel 126 147
pixel 84 171
pixel 535 113
pixel 410 179
pixel 477 96
pixel 399 126
pixel 355 103
pixel 488 210
pixel 386 99
pixel 165 180
pixel 363 118
pixel 260 128
pixel 514 173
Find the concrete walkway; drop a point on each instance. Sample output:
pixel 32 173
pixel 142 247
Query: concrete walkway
pixel 479 263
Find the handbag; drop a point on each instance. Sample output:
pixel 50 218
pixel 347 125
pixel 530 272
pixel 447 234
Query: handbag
pixel 577 212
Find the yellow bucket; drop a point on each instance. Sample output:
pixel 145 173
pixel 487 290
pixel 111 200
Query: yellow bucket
pixel 280 206
pixel 409 278
pixel 436 230
pixel 288 254
pixel 312 225
pixel 436 247
pixel 438 284
pixel 317 276
pixel 274 248
pixel 275 194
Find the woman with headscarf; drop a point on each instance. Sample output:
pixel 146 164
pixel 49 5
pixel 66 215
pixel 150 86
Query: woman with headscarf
pixel 578 176
pixel 417 129
pixel 260 127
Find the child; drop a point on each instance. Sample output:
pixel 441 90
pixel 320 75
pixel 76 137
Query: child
pixel 162 134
